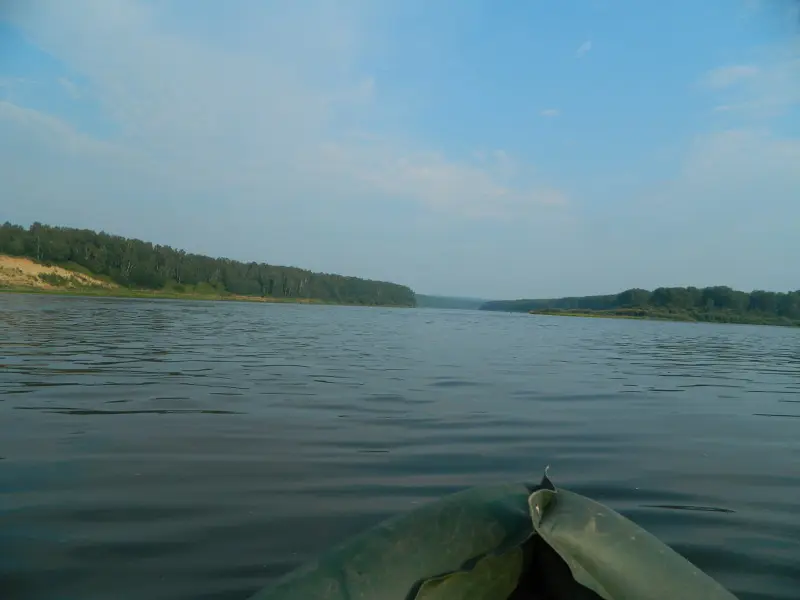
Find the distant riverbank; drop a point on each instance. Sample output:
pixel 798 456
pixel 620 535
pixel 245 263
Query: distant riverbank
pixel 152 294
pixel 717 304
pixel 22 275
pixel 654 315
pixel 47 259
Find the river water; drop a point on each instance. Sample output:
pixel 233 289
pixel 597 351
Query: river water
pixel 194 450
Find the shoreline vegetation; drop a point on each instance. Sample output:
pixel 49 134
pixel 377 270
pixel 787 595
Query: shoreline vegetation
pixel 60 260
pixel 718 304
pixel 122 293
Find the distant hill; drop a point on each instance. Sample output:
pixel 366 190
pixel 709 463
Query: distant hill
pixel 717 304
pixel 427 301
pixel 134 265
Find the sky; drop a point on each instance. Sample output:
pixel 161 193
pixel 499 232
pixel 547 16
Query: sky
pixel 493 149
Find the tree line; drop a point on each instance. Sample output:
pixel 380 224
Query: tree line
pixel 137 264
pixel 710 303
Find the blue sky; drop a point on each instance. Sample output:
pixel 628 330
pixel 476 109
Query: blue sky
pixel 497 149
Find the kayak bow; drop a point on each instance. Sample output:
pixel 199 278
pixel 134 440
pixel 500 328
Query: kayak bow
pixel 501 542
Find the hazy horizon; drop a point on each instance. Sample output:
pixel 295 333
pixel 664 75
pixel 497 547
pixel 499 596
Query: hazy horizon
pixel 464 149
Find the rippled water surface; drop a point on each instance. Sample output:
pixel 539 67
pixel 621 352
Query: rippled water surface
pixel 175 450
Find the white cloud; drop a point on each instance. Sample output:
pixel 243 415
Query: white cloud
pixel 70 87
pixel 727 76
pixel 583 49
pixel 55 173
pixel 733 181
pixel 12 82
pixel 762 91
pixel 235 116
pixel 56 134
pixel 480 190
pixel 730 157
pixel 750 8
pixel 726 217
pixel 260 131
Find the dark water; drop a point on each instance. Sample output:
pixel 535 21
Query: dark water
pixel 176 450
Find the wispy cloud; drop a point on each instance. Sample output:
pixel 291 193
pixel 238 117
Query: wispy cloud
pixel 762 91
pixel 70 87
pixel 58 135
pixel 10 82
pixel 727 76
pixel 262 123
pixel 730 185
pixel 488 188
pixel 294 143
pixel 750 8
pixel 583 49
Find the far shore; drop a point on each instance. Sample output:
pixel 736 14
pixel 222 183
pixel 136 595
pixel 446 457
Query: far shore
pixel 122 293
pixel 21 275
pixel 684 317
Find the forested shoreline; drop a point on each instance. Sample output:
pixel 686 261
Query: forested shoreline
pixel 135 264
pixel 712 304
pixel 138 265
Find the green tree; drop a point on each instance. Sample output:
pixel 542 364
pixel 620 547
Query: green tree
pixel 139 264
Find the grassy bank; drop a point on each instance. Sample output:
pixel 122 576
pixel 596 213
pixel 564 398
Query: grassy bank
pixel 121 292
pixel 690 316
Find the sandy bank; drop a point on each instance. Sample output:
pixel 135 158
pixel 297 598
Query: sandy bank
pixel 18 272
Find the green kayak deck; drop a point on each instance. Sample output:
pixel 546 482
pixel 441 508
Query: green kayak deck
pixel 503 542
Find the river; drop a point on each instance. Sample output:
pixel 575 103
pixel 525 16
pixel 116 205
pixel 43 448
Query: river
pixel 194 450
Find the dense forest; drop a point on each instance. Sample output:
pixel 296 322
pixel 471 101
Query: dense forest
pixel 718 303
pixel 136 264
pixel 426 301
